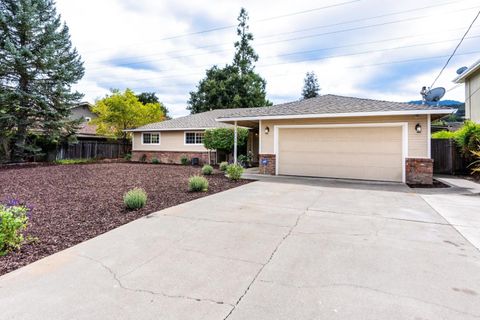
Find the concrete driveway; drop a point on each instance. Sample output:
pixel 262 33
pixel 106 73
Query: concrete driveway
pixel 280 249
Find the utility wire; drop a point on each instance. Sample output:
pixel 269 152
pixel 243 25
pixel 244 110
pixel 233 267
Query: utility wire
pixel 455 50
pixel 289 73
pixel 273 42
pixel 234 25
pixel 265 43
pixel 315 59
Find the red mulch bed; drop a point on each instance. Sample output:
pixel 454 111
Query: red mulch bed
pixel 73 203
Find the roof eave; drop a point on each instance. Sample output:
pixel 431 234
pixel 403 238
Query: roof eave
pixel 340 115
pixel 166 129
pixel 467 73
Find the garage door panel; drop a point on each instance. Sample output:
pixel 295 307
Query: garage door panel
pixel 373 153
pixel 373 173
pixel 341 159
pixel 344 147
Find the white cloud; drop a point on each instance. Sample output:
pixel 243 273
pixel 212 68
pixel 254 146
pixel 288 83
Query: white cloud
pixel 116 38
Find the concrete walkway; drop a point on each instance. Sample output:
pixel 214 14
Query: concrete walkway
pixel 295 249
pixel 462 209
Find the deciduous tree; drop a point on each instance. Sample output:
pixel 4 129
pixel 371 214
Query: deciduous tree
pixel 223 138
pixel 122 110
pixel 151 97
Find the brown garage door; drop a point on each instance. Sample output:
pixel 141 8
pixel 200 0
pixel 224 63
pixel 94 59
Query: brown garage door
pixel 370 153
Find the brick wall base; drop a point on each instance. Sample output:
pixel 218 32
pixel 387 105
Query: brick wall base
pixel 172 156
pixel 267 164
pixel 419 171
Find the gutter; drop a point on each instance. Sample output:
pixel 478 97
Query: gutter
pixel 340 115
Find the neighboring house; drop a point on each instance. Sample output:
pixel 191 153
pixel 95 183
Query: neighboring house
pixel 87 130
pixel 471 78
pixel 328 136
pixel 169 140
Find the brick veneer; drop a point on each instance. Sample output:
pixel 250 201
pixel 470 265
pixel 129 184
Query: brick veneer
pixel 172 156
pixel 269 168
pixel 419 171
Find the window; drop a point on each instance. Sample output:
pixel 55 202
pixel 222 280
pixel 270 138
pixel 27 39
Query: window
pixel 193 137
pixel 151 138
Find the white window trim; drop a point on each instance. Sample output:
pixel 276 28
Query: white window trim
pixel 192 144
pixel 152 144
pixel 403 125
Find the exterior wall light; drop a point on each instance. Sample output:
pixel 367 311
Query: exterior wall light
pixel 418 128
pixel 267 130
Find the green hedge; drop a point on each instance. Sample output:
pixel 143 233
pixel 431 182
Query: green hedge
pixel 467 137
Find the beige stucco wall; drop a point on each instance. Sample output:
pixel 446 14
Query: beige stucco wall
pixel 417 142
pixel 169 141
pixel 472 98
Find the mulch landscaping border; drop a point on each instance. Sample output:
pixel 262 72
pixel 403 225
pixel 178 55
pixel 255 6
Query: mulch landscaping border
pixel 74 203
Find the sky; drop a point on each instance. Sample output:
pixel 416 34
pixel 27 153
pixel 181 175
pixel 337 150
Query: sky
pixel 377 49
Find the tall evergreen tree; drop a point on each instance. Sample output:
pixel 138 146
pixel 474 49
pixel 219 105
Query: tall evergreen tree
pixel 236 85
pixel 245 56
pixel 38 66
pixel 310 87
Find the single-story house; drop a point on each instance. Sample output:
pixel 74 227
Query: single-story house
pixel 471 78
pixel 170 140
pixel 328 136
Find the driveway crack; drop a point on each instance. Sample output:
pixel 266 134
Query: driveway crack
pixel 288 234
pixel 139 290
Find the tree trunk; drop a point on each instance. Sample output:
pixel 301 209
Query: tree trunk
pixel 18 144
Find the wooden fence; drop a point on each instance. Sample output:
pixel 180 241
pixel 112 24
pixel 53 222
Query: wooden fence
pixel 93 150
pixel 447 157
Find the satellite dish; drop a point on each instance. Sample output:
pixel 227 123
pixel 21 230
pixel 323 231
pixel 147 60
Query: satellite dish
pixel 432 95
pixel 461 70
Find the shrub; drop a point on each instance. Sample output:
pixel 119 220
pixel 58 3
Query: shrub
pixel 223 165
pixel 207 170
pixel 223 138
pixel 143 158
pixel 135 199
pixel 476 164
pixel 443 135
pixel 197 183
pixel 184 160
pixel 243 160
pixel 73 161
pixel 234 171
pixel 13 221
pixel 155 161
pixel 468 137
pixel 127 156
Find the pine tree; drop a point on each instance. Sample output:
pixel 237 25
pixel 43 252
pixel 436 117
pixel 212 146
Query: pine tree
pixel 245 56
pixel 236 85
pixel 310 88
pixel 38 65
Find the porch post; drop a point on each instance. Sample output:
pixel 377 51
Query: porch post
pixel 235 144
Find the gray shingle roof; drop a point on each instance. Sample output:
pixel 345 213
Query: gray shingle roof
pixel 330 104
pixel 327 104
pixel 204 120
